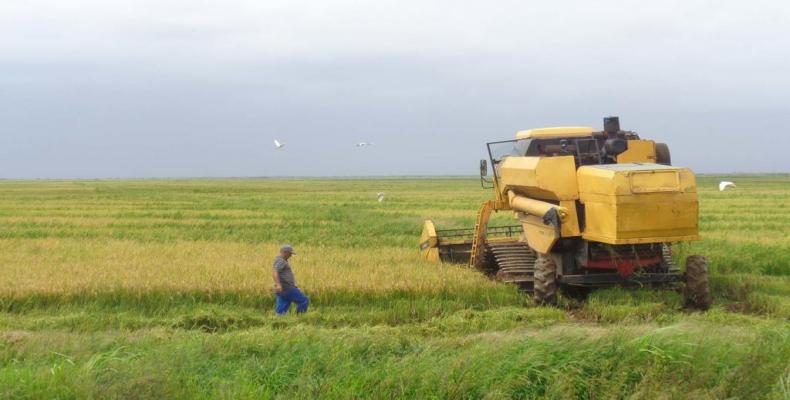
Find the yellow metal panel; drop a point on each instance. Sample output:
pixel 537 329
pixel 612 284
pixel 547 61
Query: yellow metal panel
pixel 614 179
pixel 570 225
pixel 642 218
pixel 432 255
pixel 600 221
pixel 655 181
pixel 540 237
pixel 555 132
pixel 639 151
pixel 546 178
pixel 429 242
pixel 656 239
pixel 638 203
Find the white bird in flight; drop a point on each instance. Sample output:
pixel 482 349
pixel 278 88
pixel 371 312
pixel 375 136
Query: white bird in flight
pixel 364 144
pixel 380 196
pixel 724 185
pixel 277 144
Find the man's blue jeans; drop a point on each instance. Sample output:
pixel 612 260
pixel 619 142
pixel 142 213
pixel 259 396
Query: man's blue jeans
pixel 288 296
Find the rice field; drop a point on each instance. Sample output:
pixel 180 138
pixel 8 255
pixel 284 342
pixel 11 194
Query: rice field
pixel 161 289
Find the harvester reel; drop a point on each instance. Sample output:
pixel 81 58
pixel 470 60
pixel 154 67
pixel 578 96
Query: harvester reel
pixel 545 284
pixel 697 291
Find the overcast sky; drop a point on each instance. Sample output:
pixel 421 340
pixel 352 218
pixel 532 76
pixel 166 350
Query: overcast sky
pixel 144 88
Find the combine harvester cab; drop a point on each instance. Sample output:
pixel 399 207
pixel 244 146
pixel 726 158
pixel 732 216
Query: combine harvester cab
pixel 596 209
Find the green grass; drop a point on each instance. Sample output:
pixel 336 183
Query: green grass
pixel 160 289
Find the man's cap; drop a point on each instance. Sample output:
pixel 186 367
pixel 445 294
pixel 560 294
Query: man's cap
pixel 288 248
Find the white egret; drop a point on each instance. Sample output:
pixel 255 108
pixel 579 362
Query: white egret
pixel 724 185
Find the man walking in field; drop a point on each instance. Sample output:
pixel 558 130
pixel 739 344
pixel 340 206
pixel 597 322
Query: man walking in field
pixel 285 284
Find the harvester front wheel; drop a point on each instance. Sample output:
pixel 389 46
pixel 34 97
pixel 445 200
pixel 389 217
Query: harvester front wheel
pixel 697 290
pixel 545 283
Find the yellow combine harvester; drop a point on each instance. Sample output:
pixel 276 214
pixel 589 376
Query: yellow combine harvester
pixel 595 209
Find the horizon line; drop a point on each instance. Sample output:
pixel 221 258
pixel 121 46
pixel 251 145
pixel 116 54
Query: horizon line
pixel 329 177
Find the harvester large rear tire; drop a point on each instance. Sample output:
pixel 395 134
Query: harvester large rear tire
pixel 662 154
pixel 697 292
pixel 545 283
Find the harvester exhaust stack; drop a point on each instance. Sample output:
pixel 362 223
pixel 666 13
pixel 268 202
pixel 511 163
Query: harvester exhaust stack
pixel 611 125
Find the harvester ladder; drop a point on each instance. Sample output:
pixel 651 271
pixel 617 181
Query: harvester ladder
pixel 481 227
